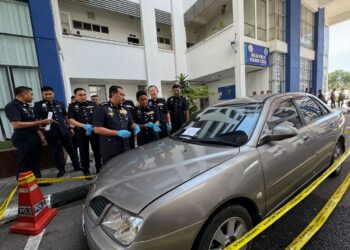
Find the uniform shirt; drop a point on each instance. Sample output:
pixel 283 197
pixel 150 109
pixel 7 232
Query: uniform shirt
pixel 115 118
pixel 81 112
pixel 130 105
pixel 161 106
pixel 17 111
pixel 177 107
pixel 143 116
pixel 42 109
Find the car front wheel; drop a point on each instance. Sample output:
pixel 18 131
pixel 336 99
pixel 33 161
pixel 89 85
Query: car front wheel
pixel 225 227
pixel 338 151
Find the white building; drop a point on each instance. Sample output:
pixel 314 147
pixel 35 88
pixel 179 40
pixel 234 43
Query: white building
pixel 137 43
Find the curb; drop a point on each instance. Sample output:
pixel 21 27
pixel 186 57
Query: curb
pixel 53 200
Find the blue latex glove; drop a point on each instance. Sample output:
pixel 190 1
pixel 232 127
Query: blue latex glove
pixel 149 125
pixel 156 128
pixel 136 129
pixel 124 133
pixel 169 127
pixel 88 129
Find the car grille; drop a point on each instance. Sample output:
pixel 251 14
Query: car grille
pixel 98 204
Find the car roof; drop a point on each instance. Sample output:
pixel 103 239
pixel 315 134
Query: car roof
pixel 258 99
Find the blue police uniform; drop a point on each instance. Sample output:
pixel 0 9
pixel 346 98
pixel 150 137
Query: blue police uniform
pixel 58 133
pixel 142 117
pixel 161 105
pixel 83 112
pixel 177 106
pixel 26 140
pixel 117 118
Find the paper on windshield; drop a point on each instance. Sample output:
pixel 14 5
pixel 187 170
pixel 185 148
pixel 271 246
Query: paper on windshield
pixel 191 131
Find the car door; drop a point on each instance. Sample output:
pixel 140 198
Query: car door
pixel 287 164
pixel 322 126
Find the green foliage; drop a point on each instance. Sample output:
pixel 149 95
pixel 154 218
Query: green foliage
pixel 339 79
pixel 192 92
pixel 5 145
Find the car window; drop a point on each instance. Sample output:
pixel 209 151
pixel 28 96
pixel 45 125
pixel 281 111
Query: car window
pixel 322 106
pixel 285 113
pixel 229 124
pixel 311 111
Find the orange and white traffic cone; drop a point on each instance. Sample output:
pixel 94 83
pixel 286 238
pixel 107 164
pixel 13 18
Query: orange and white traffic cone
pixel 33 212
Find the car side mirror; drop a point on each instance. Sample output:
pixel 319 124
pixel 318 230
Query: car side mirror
pixel 279 133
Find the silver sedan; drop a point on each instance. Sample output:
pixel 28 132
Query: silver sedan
pixel 214 179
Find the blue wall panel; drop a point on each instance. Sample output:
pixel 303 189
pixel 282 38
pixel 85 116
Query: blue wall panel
pixel 46 46
pixel 317 66
pixel 293 9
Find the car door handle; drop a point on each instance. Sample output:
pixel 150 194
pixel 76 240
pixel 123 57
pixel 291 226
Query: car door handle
pixel 306 137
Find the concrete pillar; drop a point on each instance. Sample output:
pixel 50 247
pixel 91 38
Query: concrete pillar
pixel 293 10
pixel 149 29
pixel 239 56
pixel 179 36
pixel 46 46
pixel 317 65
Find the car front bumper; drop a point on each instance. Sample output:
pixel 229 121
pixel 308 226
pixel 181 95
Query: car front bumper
pixel 97 239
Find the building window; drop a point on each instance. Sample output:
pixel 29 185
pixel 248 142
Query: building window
pixel 261 19
pixel 277 72
pixel 307 27
pixel 77 25
pixel 277 19
pixel 18 60
pixel 305 74
pixel 255 28
pixel 99 90
pixel 249 18
pixel 104 29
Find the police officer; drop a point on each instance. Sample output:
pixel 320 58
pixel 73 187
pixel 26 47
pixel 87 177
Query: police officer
pixel 26 136
pixel 113 122
pixel 178 109
pixel 129 104
pixel 148 120
pixel 160 104
pixel 59 131
pixel 80 115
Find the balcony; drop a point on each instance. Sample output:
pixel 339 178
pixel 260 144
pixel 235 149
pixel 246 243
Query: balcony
pixel 212 54
pixel 86 57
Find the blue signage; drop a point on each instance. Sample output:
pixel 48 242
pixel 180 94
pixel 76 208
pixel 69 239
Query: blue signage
pixel 227 92
pixel 256 55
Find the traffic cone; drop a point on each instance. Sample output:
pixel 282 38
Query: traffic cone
pixel 33 212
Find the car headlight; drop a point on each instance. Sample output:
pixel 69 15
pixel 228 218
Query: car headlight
pixel 121 225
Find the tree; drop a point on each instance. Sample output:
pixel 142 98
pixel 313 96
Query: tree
pixel 339 79
pixel 192 93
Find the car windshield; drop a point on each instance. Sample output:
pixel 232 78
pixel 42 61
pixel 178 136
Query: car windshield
pixel 230 125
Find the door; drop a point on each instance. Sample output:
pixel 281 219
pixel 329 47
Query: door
pixel 323 129
pixel 287 164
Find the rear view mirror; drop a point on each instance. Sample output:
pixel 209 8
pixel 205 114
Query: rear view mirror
pixel 279 133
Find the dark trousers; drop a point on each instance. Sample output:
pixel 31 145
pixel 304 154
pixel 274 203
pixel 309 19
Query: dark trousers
pixel 28 146
pixel 83 145
pixel 176 126
pixel 55 141
pixel 164 130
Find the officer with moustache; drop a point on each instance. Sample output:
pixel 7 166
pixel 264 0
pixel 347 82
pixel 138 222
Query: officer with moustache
pixel 113 122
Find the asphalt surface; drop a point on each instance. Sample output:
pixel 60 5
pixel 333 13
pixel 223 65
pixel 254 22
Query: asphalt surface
pixel 65 231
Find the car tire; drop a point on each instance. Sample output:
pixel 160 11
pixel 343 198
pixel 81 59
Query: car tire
pixel 216 234
pixel 337 152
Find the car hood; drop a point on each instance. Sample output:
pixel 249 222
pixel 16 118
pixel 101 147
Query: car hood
pixel 134 179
